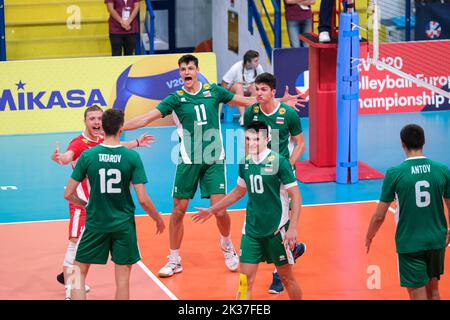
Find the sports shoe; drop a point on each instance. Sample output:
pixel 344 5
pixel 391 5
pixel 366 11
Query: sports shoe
pixel 276 286
pixel 231 258
pixel 60 279
pixel 324 36
pixel 299 250
pixel 173 266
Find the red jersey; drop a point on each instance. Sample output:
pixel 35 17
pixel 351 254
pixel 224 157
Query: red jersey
pixel 77 146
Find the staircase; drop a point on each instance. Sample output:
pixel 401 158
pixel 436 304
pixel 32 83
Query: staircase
pixel 41 29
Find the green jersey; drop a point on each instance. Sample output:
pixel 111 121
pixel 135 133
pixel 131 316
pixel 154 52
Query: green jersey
pixel 198 122
pixel 283 122
pixel 418 185
pixel 267 181
pixel 110 170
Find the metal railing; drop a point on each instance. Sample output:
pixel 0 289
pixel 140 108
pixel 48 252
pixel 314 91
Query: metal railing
pixel 149 25
pixel 275 25
pixel 2 32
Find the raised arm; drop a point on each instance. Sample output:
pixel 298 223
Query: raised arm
pixel 143 120
pixel 231 198
pixel 148 206
pixel 376 222
pixel 144 140
pixel 62 158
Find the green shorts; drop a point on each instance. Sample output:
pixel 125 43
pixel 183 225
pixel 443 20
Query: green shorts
pixel 94 247
pixel 211 176
pixel 269 249
pixel 417 268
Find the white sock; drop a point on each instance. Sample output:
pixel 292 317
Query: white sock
pixel 225 241
pixel 174 253
pixel 68 288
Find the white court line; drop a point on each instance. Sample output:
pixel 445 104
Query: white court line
pixel 156 280
pixel 190 212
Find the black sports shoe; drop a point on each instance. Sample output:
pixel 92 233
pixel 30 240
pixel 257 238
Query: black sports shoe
pixel 60 278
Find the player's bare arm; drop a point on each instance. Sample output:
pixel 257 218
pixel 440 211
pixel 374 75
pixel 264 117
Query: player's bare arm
pixel 143 120
pixel 231 198
pixel 144 140
pixel 62 158
pixel 376 222
pixel 148 206
pixel 291 100
pixel 447 203
pixel 291 235
pixel 71 195
pixel 299 141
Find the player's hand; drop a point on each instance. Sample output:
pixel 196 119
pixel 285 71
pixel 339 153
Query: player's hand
pixel 160 226
pixel 290 238
pixel 56 156
pixel 202 215
pixel 293 101
pixel 368 243
pixel 145 140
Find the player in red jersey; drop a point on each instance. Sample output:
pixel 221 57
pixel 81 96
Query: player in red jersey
pixel 91 136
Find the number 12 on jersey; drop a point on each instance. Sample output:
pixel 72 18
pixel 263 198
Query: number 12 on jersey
pixel 106 186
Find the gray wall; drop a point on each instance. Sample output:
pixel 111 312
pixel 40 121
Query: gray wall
pixel 226 58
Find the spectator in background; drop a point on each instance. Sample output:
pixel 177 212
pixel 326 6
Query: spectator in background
pixel 325 13
pixel 240 79
pixel 298 20
pixel 123 25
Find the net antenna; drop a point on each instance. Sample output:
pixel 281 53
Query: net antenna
pixel 376 55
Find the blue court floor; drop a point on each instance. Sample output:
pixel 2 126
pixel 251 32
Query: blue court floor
pixel 32 186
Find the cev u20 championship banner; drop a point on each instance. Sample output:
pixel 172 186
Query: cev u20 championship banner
pixel 51 95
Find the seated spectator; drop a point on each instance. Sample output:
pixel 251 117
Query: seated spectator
pixel 240 78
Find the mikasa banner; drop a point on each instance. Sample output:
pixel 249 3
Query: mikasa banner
pixel 51 95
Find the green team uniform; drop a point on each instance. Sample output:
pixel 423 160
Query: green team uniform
pixel 418 185
pixel 201 156
pixel 267 215
pixel 110 224
pixel 284 119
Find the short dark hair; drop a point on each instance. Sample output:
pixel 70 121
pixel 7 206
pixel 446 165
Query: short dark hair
pixel 268 79
pixel 413 136
pixel 188 58
pixel 112 121
pixel 258 126
pixel 250 55
pixel 94 107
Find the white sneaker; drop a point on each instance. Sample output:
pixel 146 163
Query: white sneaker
pixel 324 36
pixel 87 288
pixel 231 258
pixel 172 267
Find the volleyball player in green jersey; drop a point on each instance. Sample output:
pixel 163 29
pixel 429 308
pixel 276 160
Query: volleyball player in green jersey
pixel 286 136
pixel 419 185
pixel 195 110
pixel 269 234
pixel 284 123
pixel 110 227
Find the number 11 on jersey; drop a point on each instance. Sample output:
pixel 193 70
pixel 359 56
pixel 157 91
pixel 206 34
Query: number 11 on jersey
pixel 201 114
